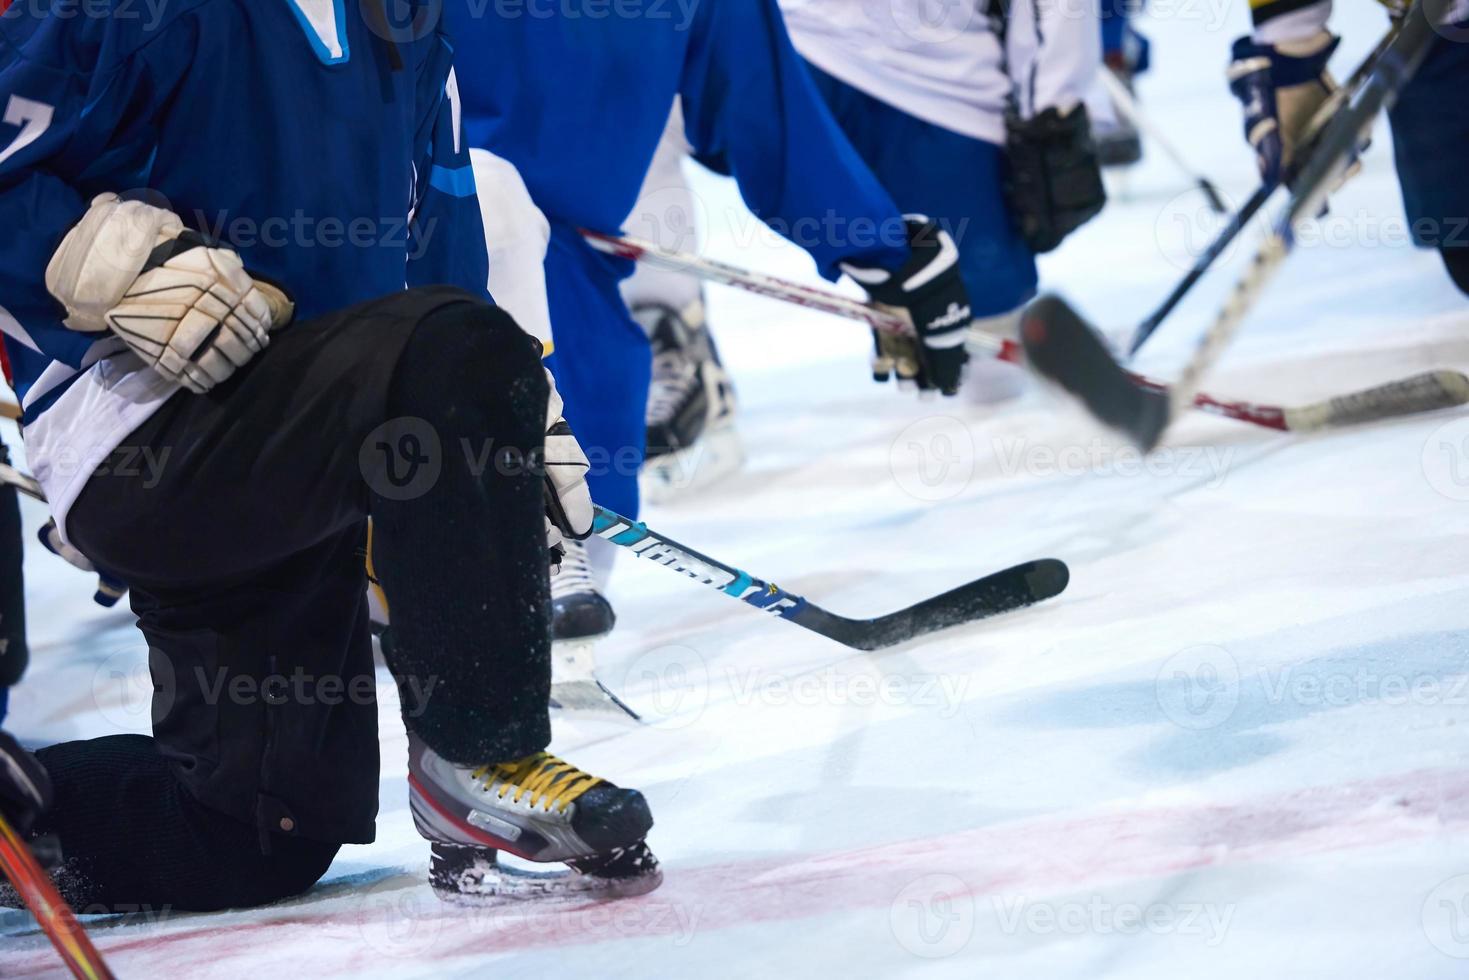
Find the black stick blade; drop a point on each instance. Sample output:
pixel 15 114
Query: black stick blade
pixel 1064 348
pixel 1014 588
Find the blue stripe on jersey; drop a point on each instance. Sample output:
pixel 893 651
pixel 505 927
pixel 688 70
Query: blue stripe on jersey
pixel 455 183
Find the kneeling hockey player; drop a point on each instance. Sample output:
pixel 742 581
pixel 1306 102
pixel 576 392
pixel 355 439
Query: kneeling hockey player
pixel 209 222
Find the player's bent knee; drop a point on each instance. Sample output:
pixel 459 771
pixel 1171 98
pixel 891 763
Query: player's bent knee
pixel 1456 260
pixel 482 333
pixel 470 357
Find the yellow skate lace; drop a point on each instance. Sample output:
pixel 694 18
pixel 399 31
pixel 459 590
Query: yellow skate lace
pixel 547 781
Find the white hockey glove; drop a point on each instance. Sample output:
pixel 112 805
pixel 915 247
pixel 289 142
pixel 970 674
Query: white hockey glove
pixel 185 305
pixel 568 499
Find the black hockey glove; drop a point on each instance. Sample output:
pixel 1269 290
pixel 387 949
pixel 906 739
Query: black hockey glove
pixel 929 293
pixel 25 789
pixel 1052 177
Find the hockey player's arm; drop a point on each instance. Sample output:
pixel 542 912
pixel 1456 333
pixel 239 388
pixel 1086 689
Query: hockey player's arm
pixel 447 240
pixel 38 120
pixel 749 101
pixel 73 267
pixel 1055 50
pixel 1288 21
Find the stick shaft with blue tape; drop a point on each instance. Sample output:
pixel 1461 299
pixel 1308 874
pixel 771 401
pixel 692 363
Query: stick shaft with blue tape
pixel 1013 588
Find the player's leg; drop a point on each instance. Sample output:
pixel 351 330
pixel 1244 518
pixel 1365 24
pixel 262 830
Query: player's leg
pixel 463 562
pixel 956 181
pixel 691 404
pixel 241 535
pixel 1430 127
pixel 12 591
pixel 269 481
pixel 1125 53
pixel 264 753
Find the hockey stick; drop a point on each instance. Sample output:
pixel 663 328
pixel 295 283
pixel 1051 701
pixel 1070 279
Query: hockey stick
pixel 9 411
pixel 1013 588
pixel 1258 200
pixel 22 482
pixel 1126 103
pixel 774 287
pixel 1423 393
pixel 1066 349
pixel 52 913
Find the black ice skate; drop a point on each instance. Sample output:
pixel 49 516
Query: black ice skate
pixel 691 405
pixel 539 808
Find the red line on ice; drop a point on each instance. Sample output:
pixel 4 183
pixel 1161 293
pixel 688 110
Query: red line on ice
pixel 1027 858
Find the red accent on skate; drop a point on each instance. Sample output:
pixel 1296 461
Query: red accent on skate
pixel 484 838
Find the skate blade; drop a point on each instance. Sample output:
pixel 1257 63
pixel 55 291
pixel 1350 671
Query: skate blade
pixel 719 454
pixel 474 876
pixel 574 686
pixel 590 696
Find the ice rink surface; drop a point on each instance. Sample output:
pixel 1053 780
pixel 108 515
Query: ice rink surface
pixel 1238 746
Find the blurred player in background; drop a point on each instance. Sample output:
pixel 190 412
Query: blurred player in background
pixel 922 92
pixel 935 96
pixel 1126 54
pixel 692 441
pixel 1279 74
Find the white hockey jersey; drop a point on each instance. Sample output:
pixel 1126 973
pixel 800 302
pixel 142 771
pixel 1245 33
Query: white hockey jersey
pixel 938 60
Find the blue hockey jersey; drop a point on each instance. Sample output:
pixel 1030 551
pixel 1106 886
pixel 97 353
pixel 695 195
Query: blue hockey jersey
pixel 294 131
pixel 578 102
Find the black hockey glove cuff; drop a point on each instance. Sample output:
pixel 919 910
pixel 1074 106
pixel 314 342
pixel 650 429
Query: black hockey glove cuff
pixel 1052 178
pixel 25 789
pixel 930 293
